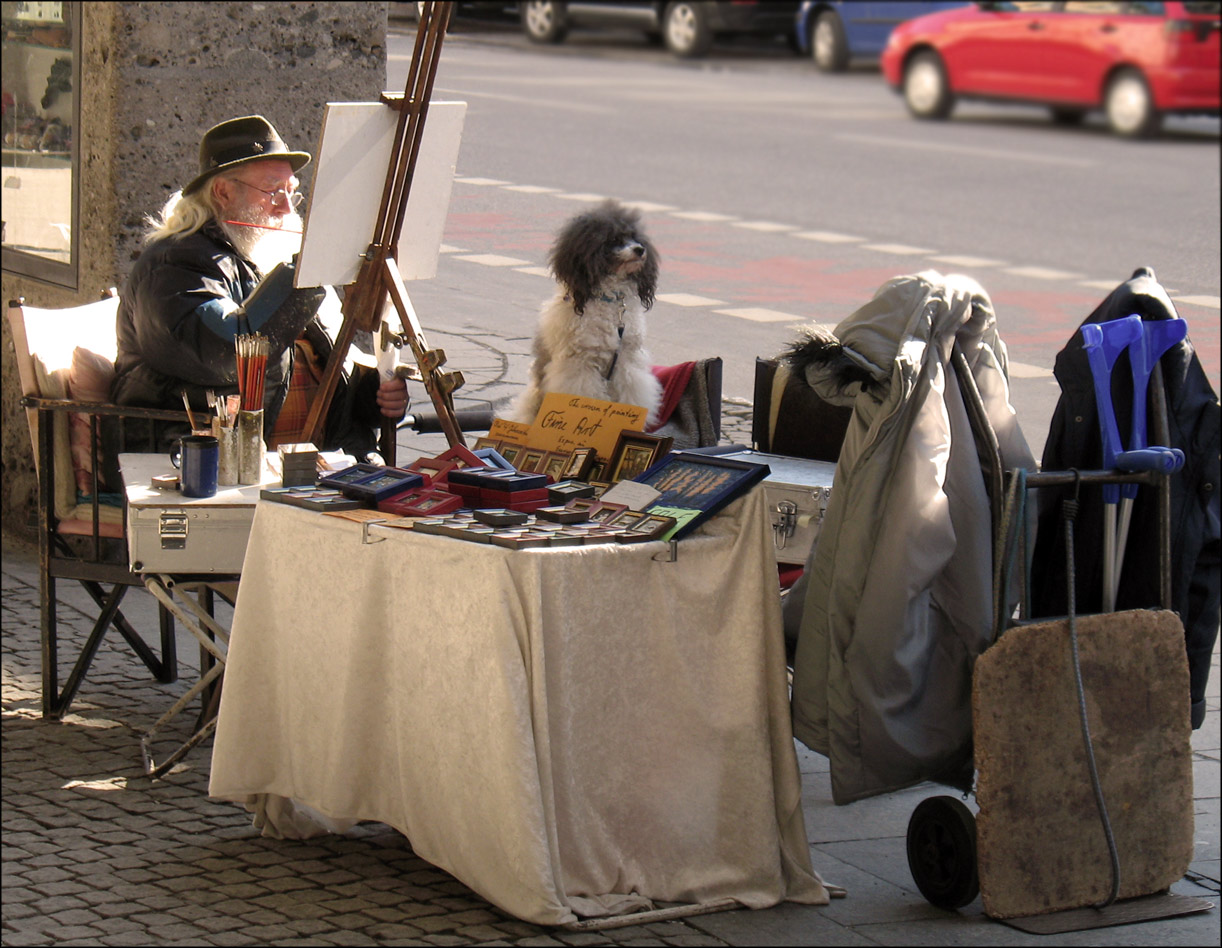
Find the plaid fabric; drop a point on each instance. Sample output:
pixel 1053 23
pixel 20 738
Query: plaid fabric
pixel 303 383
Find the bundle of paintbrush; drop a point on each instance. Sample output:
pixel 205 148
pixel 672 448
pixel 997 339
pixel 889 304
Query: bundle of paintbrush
pixel 251 352
pixel 224 408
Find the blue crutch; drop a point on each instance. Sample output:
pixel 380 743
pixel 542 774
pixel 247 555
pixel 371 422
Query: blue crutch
pixel 1146 342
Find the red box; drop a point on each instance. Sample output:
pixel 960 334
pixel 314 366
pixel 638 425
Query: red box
pixel 420 502
pixel 510 498
pixel 469 493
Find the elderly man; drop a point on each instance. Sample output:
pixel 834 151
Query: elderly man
pixel 190 294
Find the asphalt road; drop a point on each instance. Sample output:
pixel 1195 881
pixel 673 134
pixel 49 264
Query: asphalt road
pixel 779 196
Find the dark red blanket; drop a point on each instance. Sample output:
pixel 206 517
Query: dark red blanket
pixel 674 379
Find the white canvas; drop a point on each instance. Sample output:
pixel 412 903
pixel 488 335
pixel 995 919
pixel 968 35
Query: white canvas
pixel 352 160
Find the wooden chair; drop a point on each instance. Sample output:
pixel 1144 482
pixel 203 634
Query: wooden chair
pixel 65 359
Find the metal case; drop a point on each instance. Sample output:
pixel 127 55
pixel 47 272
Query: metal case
pixel 170 533
pixel 797 492
pixel 179 538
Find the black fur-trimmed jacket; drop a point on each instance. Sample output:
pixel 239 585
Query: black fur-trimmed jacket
pixel 1196 538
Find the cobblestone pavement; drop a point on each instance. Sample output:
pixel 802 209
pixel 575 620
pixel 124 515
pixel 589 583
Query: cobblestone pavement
pixel 95 853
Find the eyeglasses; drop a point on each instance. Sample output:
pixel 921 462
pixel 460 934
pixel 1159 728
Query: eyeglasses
pixel 294 198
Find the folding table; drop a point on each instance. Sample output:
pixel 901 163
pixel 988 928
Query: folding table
pixel 187 549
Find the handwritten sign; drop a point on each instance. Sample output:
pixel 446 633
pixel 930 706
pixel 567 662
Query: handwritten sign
pixel 568 422
pixel 514 432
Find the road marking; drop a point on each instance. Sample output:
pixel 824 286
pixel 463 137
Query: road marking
pixel 494 260
pixel 760 315
pixel 1213 302
pixel 821 236
pixel 961 261
pixel 707 217
pixel 689 299
pixel 764 226
pixel 534 103
pixel 828 237
pixel 1042 273
pixel 1023 370
pixel 648 207
pixel 902 250
pixel 969 150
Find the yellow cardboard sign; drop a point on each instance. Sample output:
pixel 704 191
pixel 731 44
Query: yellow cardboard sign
pixel 568 422
pixel 514 432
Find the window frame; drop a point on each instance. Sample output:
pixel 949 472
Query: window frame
pixel 39 266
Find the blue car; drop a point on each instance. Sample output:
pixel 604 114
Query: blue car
pixel 835 33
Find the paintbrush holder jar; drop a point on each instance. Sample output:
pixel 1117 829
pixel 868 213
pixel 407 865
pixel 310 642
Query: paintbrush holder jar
pixel 250 447
pixel 227 464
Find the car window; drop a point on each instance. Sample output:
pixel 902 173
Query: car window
pixel 1129 7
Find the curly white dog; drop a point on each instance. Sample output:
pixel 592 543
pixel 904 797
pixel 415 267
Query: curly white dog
pixel 591 335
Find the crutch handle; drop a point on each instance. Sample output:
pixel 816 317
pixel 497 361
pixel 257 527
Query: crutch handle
pixel 1162 460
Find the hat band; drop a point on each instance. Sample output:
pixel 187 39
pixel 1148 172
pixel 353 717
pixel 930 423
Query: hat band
pixel 248 150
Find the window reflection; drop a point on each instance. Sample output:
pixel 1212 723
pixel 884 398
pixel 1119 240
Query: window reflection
pixel 39 94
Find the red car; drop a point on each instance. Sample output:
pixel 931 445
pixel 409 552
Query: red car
pixel 1137 61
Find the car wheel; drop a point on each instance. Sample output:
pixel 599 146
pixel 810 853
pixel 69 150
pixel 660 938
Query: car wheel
pixel 828 44
pixel 543 21
pixel 926 89
pixel 686 29
pixel 1130 106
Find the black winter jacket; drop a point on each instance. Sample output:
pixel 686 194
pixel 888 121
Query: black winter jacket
pixel 179 313
pixel 1074 442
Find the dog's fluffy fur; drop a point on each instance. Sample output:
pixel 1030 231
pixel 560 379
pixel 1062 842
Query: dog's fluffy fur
pixel 591 335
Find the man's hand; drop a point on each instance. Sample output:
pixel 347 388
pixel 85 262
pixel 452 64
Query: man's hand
pixel 392 398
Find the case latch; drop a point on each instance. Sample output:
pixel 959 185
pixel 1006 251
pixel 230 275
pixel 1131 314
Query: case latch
pixel 172 528
pixel 786 522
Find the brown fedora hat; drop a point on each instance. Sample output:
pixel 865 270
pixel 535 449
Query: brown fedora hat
pixel 238 141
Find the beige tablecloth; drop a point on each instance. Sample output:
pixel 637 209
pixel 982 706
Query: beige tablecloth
pixel 569 732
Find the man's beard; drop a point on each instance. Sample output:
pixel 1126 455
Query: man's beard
pixel 269 242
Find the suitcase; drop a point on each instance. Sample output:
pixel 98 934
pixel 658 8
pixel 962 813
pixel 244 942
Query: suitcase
pixel 170 533
pixel 796 491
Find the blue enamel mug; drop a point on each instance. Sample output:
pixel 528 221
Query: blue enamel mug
pixel 198 456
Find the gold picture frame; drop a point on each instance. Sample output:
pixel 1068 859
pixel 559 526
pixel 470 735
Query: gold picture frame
pixel 635 453
pixel 579 465
pixel 511 452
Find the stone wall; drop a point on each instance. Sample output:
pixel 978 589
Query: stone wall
pixel 154 78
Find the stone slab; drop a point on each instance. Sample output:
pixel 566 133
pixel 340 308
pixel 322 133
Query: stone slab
pixel 1041 845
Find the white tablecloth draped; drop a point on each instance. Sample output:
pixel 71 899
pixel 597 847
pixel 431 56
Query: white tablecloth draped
pixel 568 731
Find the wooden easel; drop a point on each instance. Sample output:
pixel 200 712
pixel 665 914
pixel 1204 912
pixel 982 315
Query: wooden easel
pixel 379 273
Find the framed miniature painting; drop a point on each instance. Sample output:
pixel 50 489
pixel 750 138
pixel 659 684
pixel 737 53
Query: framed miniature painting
pixel 554 465
pixel 578 466
pixel 511 452
pixel 635 453
pixel 530 459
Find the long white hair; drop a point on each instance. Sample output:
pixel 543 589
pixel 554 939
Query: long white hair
pixel 181 215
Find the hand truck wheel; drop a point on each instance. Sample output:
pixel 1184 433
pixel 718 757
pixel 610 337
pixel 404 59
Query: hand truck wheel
pixel 942 852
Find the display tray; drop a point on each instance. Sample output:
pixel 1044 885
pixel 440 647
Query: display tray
pixel 805 485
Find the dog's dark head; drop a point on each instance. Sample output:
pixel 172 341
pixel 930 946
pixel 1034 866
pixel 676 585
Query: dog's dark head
pixel 600 244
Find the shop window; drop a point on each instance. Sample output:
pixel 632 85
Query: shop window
pixel 41 101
